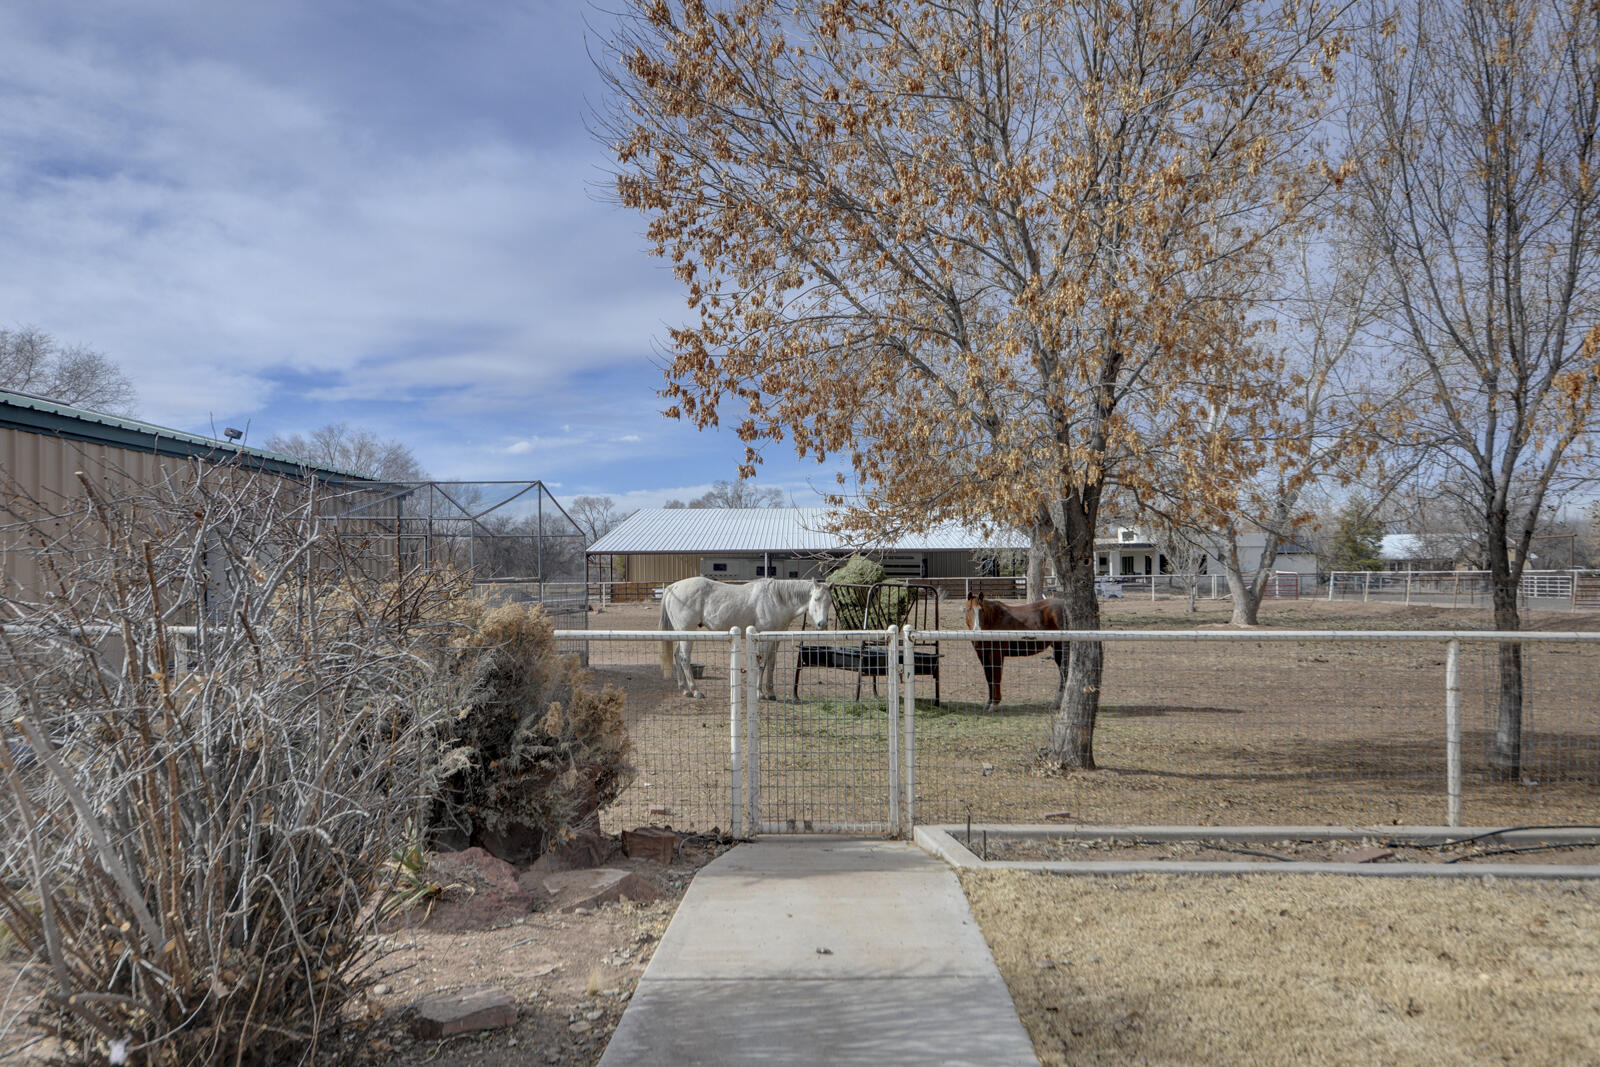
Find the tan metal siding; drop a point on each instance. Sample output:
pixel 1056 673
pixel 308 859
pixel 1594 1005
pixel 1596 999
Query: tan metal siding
pixel 662 568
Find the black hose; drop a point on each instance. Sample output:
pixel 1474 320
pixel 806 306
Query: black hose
pixel 1480 837
pixel 1247 852
pixel 1509 851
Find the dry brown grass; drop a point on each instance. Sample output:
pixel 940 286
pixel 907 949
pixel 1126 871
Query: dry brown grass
pixel 1271 969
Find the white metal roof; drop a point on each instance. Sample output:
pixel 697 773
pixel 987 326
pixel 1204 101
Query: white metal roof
pixel 712 530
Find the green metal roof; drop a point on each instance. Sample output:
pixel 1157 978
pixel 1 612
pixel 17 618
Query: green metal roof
pixel 23 411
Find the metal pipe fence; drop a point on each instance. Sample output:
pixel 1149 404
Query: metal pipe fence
pixel 1223 728
pixel 1571 590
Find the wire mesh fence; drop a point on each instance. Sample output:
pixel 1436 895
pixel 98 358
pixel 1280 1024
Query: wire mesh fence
pixel 1205 728
pixel 680 745
pixel 1235 729
pixel 826 747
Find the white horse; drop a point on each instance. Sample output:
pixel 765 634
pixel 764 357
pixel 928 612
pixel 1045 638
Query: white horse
pixel 766 604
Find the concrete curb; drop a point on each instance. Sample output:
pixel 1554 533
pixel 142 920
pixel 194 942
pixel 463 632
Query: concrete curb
pixel 941 841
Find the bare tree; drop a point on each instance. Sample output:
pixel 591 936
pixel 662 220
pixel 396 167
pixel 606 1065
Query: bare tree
pixel 982 249
pixel 1186 550
pixel 1480 204
pixel 1334 406
pixel 357 450
pixel 739 494
pixel 596 516
pixel 32 361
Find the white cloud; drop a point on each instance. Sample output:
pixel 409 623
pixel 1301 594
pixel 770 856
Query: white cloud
pixel 206 220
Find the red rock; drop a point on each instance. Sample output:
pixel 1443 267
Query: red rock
pixel 588 847
pixel 474 866
pixel 591 888
pixel 480 891
pixel 447 1014
pixel 651 843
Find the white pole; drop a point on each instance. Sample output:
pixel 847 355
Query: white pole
pixel 1452 731
pixel 892 715
pixel 908 749
pixel 1408 587
pixel 1333 580
pixel 735 754
pixel 1366 591
pixel 752 726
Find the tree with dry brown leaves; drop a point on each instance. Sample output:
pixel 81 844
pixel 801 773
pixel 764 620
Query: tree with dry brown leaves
pixel 999 253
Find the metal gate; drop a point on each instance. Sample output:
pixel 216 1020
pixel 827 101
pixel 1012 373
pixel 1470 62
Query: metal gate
pixel 824 756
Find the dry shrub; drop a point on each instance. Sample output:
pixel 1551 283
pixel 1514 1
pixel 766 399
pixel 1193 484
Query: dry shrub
pixel 210 758
pixel 535 752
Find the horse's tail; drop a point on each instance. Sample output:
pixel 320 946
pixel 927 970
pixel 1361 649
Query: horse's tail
pixel 666 646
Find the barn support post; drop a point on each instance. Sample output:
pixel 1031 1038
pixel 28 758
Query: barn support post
pixel 1452 731
pixel 735 749
pixel 892 716
pixel 752 733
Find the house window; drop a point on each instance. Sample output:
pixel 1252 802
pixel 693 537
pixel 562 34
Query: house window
pixel 761 572
pixel 794 574
pixel 1104 563
pixel 719 566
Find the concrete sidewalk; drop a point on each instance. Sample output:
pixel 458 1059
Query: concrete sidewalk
pixel 821 950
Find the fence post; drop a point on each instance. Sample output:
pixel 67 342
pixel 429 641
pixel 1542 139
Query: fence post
pixel 1333 580
pixel 892 714
pixel 1408 587
pixel 1366 591
pixel 1452 731
pixel 735 751
pixel 908 723
pixel 752 733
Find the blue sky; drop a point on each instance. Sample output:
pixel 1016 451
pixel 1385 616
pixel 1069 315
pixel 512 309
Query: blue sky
pixel 383 213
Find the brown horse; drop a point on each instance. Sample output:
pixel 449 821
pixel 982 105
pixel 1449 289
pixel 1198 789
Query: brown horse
pixel 985 615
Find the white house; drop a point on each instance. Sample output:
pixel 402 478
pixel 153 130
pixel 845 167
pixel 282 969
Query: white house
pixel 1130 552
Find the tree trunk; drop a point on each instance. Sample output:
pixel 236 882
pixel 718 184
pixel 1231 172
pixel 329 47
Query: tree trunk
pixel 1246 594
pixel 1072 550
pixel 1505 747
pixel 1035 570
pixel 1246 604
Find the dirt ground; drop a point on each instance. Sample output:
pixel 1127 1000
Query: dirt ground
pixel 1269 969
pixel 571 974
